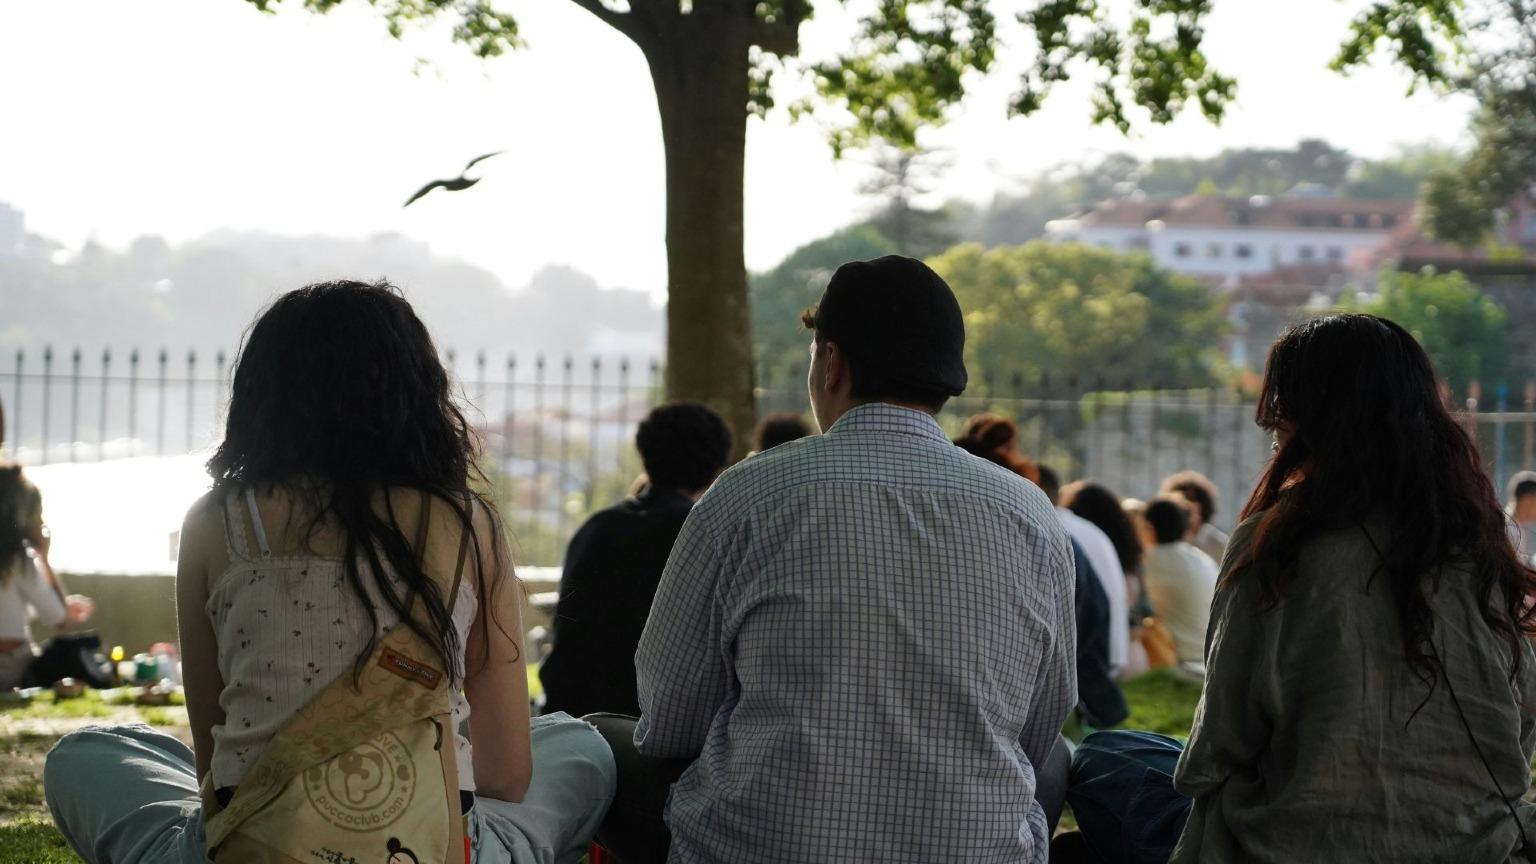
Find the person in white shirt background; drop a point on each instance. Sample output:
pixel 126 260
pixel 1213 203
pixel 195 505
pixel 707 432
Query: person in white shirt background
pixel 1180 582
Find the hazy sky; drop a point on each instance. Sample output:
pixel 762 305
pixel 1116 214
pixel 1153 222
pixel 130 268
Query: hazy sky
pixel 177 117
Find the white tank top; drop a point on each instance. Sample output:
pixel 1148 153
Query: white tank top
pixel 287 626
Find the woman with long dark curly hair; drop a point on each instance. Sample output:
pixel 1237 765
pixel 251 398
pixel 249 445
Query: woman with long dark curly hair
pixel 345 598
pixel 1371 693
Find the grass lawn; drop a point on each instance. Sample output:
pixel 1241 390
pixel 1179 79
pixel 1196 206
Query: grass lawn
pixel 26 734
pixel 1158 703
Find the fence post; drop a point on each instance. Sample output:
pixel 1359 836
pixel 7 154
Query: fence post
pixel 1042 419
pixel 509 428
pixel 563 477
pixel 621 451
pixel 480 398
pixel 133 401
pixel 538 439
pixel 1237 440
pixel 219 361
pixel 1529 450
pixel 1210 433
pixel 1127 430
pixel 1474 396
pixel 74 402
pixel 1152 469
pixel 1501 405
pixel 594 406
pixel 106 389
pixel 1075 457
pixel 191 398
pixel 1096 460
pixel 47 397
pixel 165 358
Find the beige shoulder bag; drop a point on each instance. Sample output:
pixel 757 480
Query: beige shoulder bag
pixel 360 775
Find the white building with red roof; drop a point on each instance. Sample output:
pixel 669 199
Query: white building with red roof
pixel 1227 239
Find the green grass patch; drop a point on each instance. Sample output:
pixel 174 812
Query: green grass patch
pixel 26 792
pixel 1161 703
pixel 46 705
pixel 34 841
pixel 163 716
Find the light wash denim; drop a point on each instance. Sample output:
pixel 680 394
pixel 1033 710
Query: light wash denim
pixel 128 794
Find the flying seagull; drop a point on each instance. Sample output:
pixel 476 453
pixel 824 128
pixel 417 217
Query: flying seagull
pixel 457 184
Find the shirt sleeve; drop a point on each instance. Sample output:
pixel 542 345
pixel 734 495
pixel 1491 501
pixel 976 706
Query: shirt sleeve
pixel 1056 693
pixel 1231 728
pixel 47 607
pixel 680 672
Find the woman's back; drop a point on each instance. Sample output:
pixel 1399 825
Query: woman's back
pixel 287 623
pixel 1316 740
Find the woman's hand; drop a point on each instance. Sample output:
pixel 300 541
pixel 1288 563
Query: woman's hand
pixel 79 608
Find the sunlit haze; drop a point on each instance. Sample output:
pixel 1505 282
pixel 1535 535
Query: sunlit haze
pixel 180 117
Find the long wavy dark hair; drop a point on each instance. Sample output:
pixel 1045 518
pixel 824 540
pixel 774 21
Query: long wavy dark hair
pixel 338 397
pixel 20 505
pixel 1100 506
pixel 1364 429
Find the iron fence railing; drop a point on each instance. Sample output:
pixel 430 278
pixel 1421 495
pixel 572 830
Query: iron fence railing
pixel 559 432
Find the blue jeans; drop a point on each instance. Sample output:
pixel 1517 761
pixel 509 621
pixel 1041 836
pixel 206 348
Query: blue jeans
pixel 128 794
pixel 1121 791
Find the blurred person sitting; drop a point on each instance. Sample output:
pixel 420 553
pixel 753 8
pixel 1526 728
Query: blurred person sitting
pixel 1181 582
pixel 29 589
pixel 615 560
pixel 1105 559
pixel 779 429
pixel 1201 494
pixel 1097 504
pixel 1522 511
pixel 1100 702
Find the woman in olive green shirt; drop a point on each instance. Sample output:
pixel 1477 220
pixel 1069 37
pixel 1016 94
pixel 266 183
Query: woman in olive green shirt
pixel 1371 686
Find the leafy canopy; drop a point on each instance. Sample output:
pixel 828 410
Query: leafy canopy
pixel 1047 309
pixel 911 61
pixel 1463 331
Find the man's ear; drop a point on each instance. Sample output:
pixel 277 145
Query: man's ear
pixel 834 367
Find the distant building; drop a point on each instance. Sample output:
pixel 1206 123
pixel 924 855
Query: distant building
pixel 1227 239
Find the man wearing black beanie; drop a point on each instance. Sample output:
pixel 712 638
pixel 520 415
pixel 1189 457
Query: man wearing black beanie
pixel 862 647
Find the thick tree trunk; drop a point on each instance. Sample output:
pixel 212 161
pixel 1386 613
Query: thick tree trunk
pixel 701 91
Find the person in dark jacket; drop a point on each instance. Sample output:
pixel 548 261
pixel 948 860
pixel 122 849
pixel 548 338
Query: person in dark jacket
pixel 615 561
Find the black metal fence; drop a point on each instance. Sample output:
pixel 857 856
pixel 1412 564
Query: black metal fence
pixel 559 432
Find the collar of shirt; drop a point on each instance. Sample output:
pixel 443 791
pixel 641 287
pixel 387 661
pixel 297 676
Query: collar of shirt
pixel 885 417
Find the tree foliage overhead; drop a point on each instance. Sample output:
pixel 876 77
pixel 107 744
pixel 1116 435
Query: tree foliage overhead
pixel 912 61
pixel 1461 203
pixel 1463 331
pixel 1072 311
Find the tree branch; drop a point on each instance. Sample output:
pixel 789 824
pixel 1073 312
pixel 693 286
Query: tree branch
pixel 623 22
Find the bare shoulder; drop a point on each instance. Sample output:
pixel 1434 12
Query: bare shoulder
pixel 204 521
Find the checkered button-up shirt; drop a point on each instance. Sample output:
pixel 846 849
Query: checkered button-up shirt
pixel 867 639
